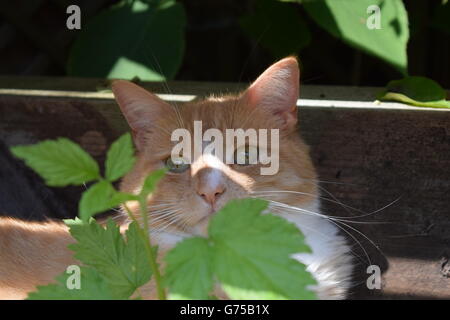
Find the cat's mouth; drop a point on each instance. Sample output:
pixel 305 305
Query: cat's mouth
pixel 201 226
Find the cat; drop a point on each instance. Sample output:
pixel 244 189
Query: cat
pixel 189 194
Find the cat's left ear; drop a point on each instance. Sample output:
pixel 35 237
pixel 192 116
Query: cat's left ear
pixel 276 90
pixel 140 108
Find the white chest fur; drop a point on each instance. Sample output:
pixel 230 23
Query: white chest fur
pixel 331 262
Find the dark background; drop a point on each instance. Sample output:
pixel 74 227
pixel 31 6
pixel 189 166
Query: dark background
pixel 403 154
pixel 34 40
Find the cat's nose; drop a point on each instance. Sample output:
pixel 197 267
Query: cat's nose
pixel 211 193
pixel 210 184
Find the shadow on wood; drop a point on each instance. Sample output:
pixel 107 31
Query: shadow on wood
pixel 389 162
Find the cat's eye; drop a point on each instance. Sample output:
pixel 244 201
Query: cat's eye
pixel 245 156
pixel 177 165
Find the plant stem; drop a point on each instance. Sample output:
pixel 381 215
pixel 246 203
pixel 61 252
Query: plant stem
pixel 148 247
pixel 154 264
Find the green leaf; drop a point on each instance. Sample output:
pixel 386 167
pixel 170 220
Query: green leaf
pixel 347 19
pixel 249 253
pixel 101 197
pixel 416 91
pixel 124 265
pixel 131 39
pixel 189 270
pixel 92 287
pixel 136 261
pixel 60 162
pixel 120 158
pixel 253 253
pixel 95 199
pixel 151 181
pixel 272 19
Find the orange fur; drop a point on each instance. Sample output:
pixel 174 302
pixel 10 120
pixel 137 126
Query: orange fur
pixel 32 254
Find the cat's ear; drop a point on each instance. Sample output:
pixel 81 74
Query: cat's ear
pixel 140 108
pixel 276 90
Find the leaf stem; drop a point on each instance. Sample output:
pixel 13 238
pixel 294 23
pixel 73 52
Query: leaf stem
pixel 145 235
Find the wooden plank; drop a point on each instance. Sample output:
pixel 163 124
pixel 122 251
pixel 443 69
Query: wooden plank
pixel 368 156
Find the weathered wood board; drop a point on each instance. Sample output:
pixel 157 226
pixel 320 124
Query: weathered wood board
pixel 368 155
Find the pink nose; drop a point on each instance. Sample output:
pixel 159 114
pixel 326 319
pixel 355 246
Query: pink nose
pixel 210 194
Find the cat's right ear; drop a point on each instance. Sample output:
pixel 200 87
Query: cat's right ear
pixel 140 108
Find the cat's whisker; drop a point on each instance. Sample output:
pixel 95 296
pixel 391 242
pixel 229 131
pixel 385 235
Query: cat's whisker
pixel 156 215
pixel 163 220
pixel 330 182
pixel 160 212
pixel 353 237
pixel 161 208
pixel 310 195
pixel 335 222
pixel 378 210
pixel 334 218
pixel 364 214
pixel 323 234
pixel 166 87
pixel 155 204
pixel 164 217
pixel 170 222
pixel 334 198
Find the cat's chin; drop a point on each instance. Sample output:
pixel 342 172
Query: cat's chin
pixel 201 227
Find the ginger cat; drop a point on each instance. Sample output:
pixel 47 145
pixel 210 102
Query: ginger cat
pixel 33 254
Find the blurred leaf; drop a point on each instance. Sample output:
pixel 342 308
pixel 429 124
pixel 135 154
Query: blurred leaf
pixel 101 197
pixel 417 91
pixel 60 162
pixel 346 19
pixel 248 252
pixel 151 181
pixel 131 39
pixel 279 27
pixel 96 199
pixel 120 158
pixel 189 270
pixel 253 253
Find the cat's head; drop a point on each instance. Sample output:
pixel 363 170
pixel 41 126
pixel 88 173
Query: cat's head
pixel 189 194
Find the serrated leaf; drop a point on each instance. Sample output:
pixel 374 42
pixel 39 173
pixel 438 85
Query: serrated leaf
pixel 59 162
pixel 135 249
pixel 124 265
pixel 131 39
pixel 92 287
pixel 416 91
pixel 151 181
pixel 347 19
pixel 249 253
pixel 189 270
pixel 101 197
pixel 253 252
pixel 278 27
pixel 120 158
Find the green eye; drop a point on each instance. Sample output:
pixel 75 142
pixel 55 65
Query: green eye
pixel 177 165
